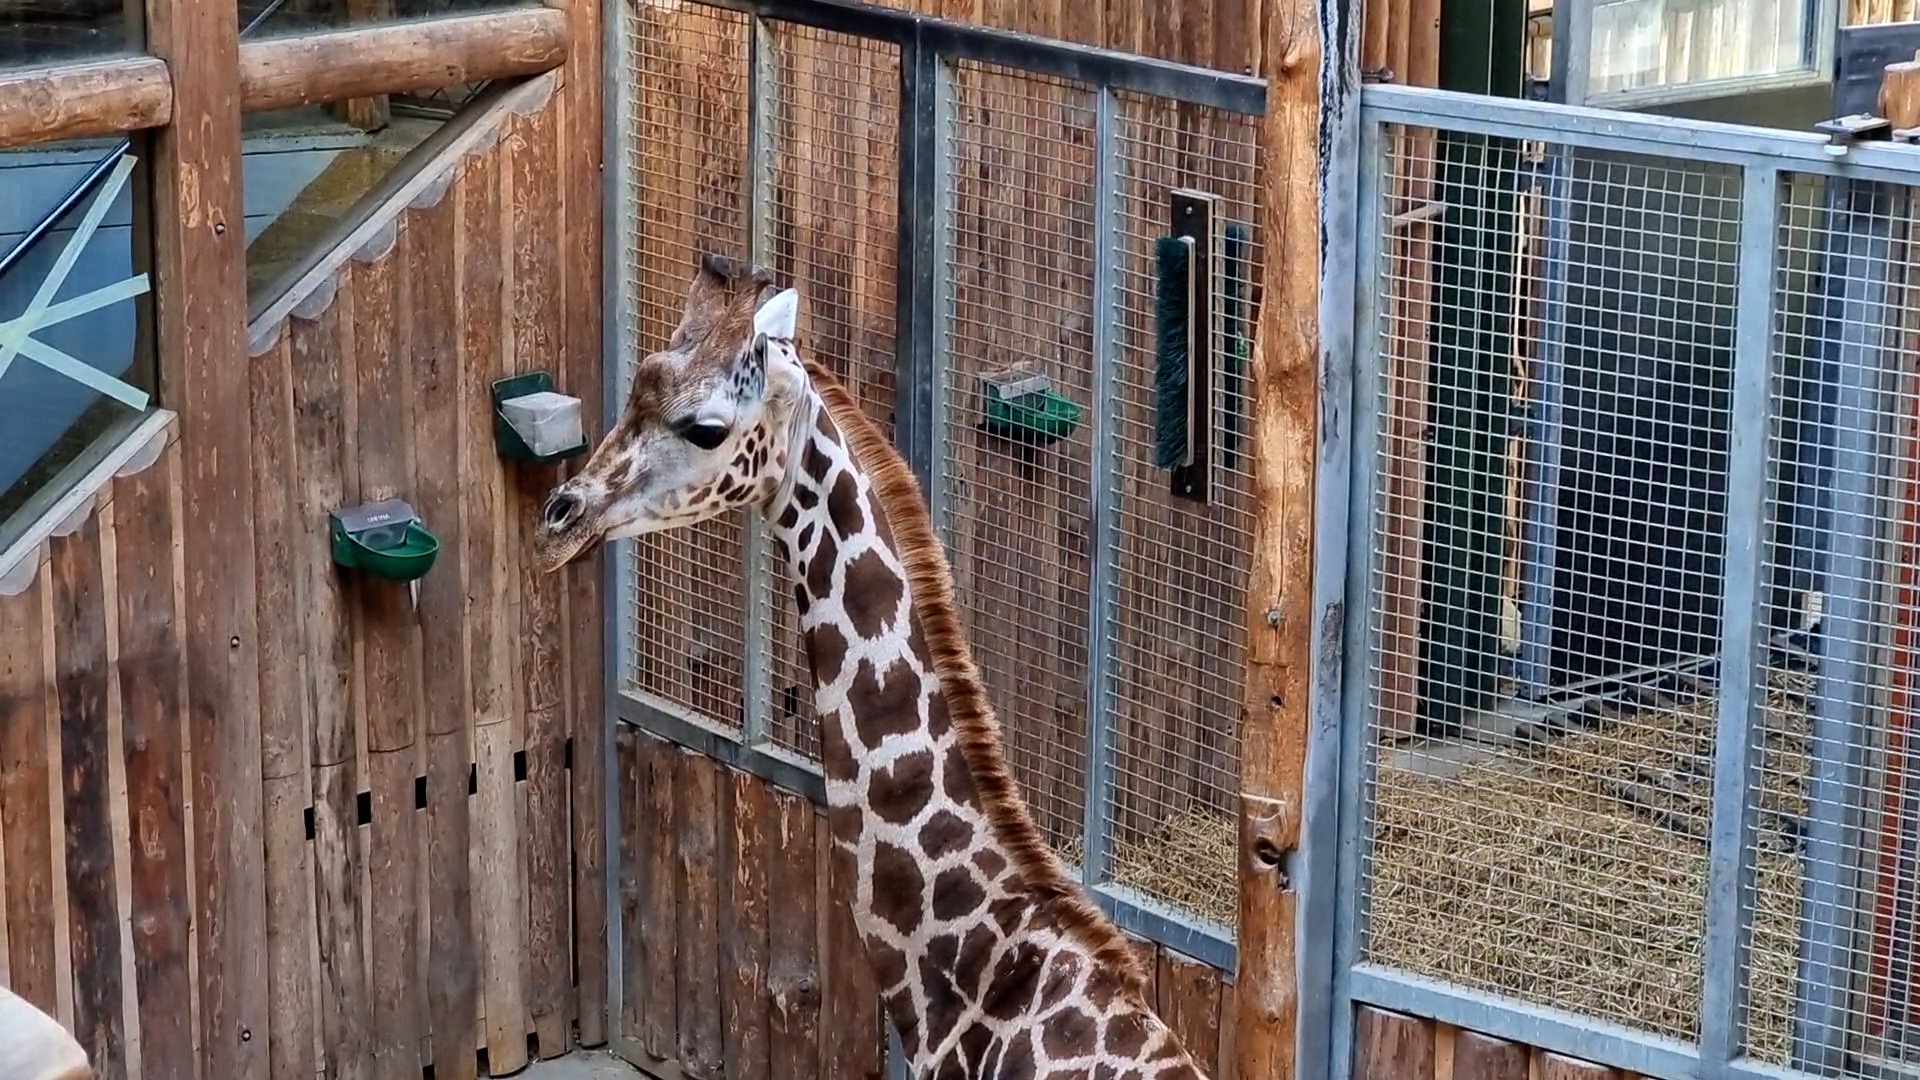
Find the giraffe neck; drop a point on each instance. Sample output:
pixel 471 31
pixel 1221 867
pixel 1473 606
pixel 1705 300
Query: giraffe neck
pixel 963 909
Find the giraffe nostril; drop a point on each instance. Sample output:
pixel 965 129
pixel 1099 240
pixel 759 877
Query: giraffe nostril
pixel 561 509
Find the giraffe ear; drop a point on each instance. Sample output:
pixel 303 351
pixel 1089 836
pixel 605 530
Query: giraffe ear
pixel 780 316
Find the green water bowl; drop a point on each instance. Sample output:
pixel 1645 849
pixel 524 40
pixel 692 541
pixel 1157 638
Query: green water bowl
pixel 408 560
pixel 1040 417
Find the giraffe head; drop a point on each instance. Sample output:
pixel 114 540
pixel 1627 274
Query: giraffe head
pixel 707 425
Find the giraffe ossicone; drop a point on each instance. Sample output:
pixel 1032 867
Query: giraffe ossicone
pixel 991 960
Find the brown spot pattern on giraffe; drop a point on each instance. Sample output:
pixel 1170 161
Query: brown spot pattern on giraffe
pixel 956 894
pixel 944 834
pixel 898 887
pixel 826 652
pixel 819 567
pixel 843 506
pixel 898 792
pixel 884 703
pixel 873 593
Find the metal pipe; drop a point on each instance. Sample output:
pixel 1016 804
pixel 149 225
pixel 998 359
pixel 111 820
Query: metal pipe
pixel 1855 364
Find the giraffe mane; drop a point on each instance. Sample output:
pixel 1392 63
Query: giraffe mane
pixel 930 581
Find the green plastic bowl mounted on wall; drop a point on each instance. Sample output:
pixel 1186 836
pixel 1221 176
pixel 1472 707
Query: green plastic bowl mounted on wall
pixel 384 539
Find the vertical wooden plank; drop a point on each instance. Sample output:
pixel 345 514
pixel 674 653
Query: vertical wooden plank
pixel 200 296
pixel 436 248
pixel 26 796
pixel 284 772
pixel 1391 1046
pixel 322 360
pixel 538 324
pixel 850 1015
pixel 1302 40
pixel 1189 996
pixel 745 818
pixel 656 996
pixel 580 206
pixel 1226 1064
pixel 793 960
pixel 1483 1057
pixel 80 685
pixel 636 836
pixel 499 907
pixel 1551 1066
pixel 698 914
pixel 581 192
pixel 499 901
pixel 152 715
pixel 383 319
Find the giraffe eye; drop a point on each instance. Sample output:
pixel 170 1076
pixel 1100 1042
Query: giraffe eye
pixel 705 436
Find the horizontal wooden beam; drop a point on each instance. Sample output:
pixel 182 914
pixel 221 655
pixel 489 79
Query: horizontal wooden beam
pixel 76 100
pixel 284 73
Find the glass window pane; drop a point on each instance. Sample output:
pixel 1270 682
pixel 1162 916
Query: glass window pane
pixel 1640 44
pixel 87 367
pixel 276 18
pixel 38 32
pixel 307 167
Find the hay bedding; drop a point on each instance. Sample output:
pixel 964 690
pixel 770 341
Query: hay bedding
pixel 1572 874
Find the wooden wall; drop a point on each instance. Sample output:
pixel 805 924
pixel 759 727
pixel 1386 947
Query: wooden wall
pixel 1394 1046
pixel 446 749
pixel 740 959
pixel 427 861
pixel 94 796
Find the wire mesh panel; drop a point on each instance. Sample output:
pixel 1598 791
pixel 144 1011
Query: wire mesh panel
pixel 1554 328
pixel 1177 636
pixel 832 174
pixel 1834 930
pixel 689 191
pixel 1016 487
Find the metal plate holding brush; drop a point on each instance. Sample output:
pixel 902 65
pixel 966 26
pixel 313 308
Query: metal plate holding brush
pixel 1204 248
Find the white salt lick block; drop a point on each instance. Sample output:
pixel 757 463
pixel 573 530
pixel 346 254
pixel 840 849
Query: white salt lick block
pixel 546 421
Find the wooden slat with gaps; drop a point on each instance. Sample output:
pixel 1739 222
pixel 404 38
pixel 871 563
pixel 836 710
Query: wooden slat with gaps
pixel 27 792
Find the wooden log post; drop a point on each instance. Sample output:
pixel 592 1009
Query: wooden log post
pixel 1308 55
pixel 200 297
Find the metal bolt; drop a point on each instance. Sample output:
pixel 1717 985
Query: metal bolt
pixel 234 642
pixel 219 228
pixel 1273 617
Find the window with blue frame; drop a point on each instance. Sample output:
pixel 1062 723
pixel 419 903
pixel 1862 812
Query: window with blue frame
pixel 76 355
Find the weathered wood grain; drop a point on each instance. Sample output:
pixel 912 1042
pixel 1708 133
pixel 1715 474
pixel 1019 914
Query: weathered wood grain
pixel 657 991
pixel 636 840
pixel 153 730
pixel 850 1034
pixel 284 699
pixel 1189 995
pixel 1483 1057
pixel 793 941
pixel 500 903
pixel 582 112
pixel 745 818
pixel 697 942
pixel 435 251
pixel 1551 1066
pixel 72 101
pixel 384 314
pixel 324 437
pixel 1282 622
pixel 1391 1046
pixel 27 793
pixel 396 58
pixel 80 685
pixel 533 213
pixel 199 302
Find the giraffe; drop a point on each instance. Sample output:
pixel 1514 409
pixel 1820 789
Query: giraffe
pixel 992 962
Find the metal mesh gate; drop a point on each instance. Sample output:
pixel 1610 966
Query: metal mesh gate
pixel 1625 756
pixel 960 208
